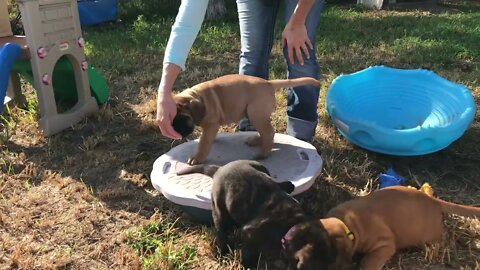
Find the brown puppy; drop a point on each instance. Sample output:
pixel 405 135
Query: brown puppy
pixel 226 100
pixel 375 226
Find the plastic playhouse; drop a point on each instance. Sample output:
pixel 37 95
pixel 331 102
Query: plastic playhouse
pixel 291 160
pixel 51 57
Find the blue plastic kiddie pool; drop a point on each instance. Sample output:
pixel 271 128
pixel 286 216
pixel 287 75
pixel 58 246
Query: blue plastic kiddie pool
pixel 403 112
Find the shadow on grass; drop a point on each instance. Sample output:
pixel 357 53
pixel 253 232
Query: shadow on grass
pixel 451 6
pixel 113 165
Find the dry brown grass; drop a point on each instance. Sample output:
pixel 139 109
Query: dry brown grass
pixel 69 201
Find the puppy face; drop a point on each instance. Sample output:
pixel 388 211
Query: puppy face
pixel 183 123
pixel 190 112
pixel 308 246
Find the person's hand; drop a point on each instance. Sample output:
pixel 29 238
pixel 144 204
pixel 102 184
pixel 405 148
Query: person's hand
pixel 295 37
pixel 166 111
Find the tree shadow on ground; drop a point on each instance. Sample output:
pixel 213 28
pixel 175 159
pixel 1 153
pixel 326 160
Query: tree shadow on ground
pixel 434 6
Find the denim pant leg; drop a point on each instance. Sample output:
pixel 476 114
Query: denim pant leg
pixel 303 100
pixel 257 23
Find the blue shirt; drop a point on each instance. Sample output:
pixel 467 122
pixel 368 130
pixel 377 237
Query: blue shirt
pixel 184 31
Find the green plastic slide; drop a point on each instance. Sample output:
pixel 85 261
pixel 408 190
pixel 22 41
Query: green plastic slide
pixel 64 81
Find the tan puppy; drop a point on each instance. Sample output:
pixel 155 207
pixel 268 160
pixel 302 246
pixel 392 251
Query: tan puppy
pixel 376 226
pixel 226 100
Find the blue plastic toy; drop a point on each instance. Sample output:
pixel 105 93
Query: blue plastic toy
pixel 390 178
pixel 403 112
pixel 93 12
pixel 8 54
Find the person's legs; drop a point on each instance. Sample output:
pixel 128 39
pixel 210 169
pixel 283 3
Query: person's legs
pixel 257 23
pixel 302 100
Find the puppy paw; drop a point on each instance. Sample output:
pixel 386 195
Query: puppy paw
pixel 194 161
pixel 249 260
pixel 223 248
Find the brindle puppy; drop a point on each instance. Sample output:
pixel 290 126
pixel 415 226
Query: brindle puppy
pixel 245 196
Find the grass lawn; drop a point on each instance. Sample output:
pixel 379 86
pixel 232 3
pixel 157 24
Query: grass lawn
pixel 82 199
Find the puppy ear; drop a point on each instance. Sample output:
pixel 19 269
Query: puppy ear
pixel 190 111
pixel 259 167
pixel 323 243
pixel 287 186
pixel 344 255
pixel 257 226
pixel 197 109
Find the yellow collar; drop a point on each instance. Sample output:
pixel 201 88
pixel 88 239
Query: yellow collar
pixel 349 233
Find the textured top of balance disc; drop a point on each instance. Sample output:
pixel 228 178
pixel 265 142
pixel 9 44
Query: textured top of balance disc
pixel 291 159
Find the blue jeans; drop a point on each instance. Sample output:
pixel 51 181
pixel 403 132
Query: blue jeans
pixel 257 23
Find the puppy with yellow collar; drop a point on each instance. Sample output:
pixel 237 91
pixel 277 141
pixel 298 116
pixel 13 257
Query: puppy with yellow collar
pixel 374 226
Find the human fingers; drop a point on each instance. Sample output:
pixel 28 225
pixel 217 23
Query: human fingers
pixel 305 51
pixel 167 130
pixel 309 44
pixel 290 54
pixel 164 123
pixel 298 53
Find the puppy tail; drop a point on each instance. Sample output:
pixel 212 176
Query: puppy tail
pixel 458 209
pixel 205 169
pixel 277 84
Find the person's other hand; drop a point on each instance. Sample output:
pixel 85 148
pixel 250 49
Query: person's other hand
pixel 295 37
pixel 166 111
